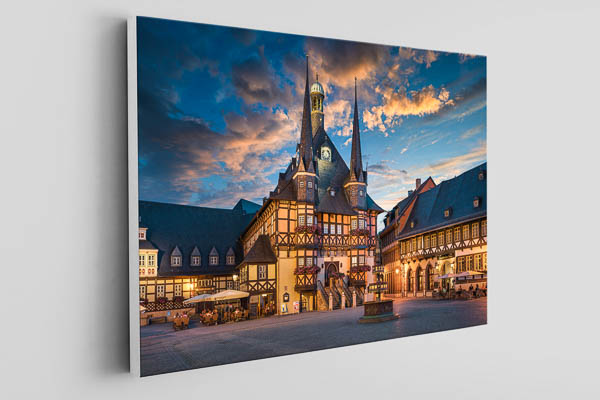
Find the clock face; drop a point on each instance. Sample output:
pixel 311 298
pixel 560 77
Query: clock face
pixel 326 154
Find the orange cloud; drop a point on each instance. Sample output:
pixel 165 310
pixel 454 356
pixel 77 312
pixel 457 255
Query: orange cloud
pixel 400 103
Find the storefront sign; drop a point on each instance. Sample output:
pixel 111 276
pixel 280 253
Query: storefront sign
pixel 296 306
pixel 284 308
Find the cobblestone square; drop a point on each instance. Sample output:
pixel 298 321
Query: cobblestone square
pixel 164 350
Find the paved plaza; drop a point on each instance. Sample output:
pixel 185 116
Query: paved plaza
pixel 163 350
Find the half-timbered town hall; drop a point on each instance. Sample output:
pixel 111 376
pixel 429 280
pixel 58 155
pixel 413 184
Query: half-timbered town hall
pixel 316 231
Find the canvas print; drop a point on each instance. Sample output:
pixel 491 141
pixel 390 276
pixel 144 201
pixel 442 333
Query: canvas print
pixel 299 193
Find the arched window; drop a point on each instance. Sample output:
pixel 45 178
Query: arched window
pixel 409 280
pixel 419 279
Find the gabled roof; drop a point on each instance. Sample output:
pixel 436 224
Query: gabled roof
pixel 189 227
pixel 246 207
pixel 458 194
pixel 261 252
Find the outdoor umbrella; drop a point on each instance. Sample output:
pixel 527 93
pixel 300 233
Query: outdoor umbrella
pixel 197 299
pixel 227 295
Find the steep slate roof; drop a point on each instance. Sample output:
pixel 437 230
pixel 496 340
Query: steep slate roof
pixel 332 175
pixel 395 213
pixel 458 194
pixel 261 252
pixel 186 227
pixel 146 245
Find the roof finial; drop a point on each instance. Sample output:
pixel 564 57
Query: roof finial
pixel 317 77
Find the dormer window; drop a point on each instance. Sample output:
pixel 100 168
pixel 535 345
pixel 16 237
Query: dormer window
pixel 448 212
pixel 196 257
pixel 301 184
pixel 476 202
pixel 309 184
pixel 176 257
pixel 361 193
pixel 230 259
pixel 213 257
pixel 413 223
pixel 481 175
pixel 142 234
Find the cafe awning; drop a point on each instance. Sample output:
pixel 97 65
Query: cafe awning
pixel 227 295
pixel 197 299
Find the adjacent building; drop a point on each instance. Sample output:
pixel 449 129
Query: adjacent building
pixel 436 230
pixel 185 251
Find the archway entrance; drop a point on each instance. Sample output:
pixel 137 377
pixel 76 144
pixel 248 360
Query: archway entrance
pixel 331 267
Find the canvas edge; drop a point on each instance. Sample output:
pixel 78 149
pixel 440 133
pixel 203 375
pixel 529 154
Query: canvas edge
pixel 132 142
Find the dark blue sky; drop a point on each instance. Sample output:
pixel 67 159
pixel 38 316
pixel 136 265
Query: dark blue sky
pixel 219 110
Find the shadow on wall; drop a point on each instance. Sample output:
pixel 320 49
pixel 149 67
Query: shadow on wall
pixel 109 314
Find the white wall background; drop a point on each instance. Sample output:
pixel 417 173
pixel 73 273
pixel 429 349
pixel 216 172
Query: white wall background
pixel 63 228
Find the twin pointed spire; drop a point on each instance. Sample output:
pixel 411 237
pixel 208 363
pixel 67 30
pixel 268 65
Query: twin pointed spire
pixel 356 155
pixel 306 137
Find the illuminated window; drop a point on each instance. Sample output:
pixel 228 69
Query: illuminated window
pixel 433 240
pixel 469 262
pixel 413 245
pixel 361 260
pixel 449 236
pixel 326 229
pixel 427 241
pixel 353 223
pixel 142 260
pixel 151 260
pixel 354 260
pixel 447 212
pixel 440 238
pixel 178 289
pixel 229 285
pixel 419 242
pixel 403 247
pixel 475 230
pixel 160 290
pixel 484 262
pixel 142 234
pixel 301 261
pixel 309 219
pixel 465 232
pixel 457 234
pixel 339 229
pixel 361 224
pixel 484 228
pixel 461 264
pixel 476 202
pixel 477 263
pixel 142 292
pixel 300 219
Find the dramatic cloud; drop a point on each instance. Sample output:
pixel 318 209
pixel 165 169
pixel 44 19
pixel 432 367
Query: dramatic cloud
pixel 426 57
pixel 339 62
pixel 255 81
pixel 400 103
